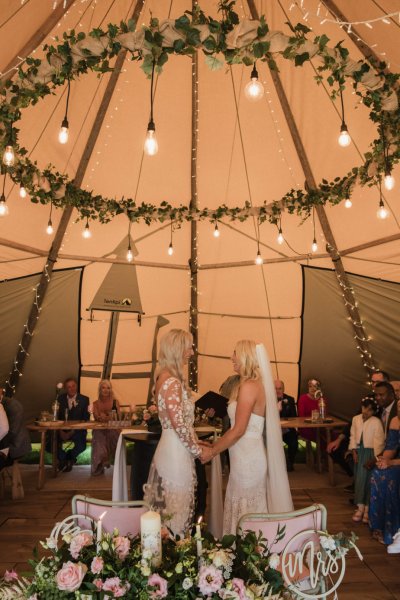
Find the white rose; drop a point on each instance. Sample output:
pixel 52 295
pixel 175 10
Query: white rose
pixel 327 542
pixel 220 559
pixel 51 543
pixel 274 561
pixel 187 583
pixel 179 568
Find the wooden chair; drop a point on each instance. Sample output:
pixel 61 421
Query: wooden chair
pixel 13 474
pixel 124 516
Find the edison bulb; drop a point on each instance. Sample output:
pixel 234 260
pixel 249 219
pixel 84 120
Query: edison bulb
pixel 49 228
pixel 382 212
pixel 129 255
pixel 63 135
pixel 151 144
pixel 389 181
pixel 254 90
pixel 259 258
pixel 3 207
pixel 314 246
pixel 22 192
pixel 348 203
pixel 217 232
pixel 344 138
pixel 9 156
pixel 170 249
pixel 86 232
pixel 280 239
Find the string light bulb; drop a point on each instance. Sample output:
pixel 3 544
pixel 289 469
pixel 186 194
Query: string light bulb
pixel 49 228
pixel 280 239
pixel 170 249
pixel 86 233
pixel 314 246
pixel 129 254
pixel 254 90
pixel 22 192
pixel 344 138
pixel 3 206
pixel 150 143
pixel 382 212
pixel 63 134
pixel 9 156
pixel 216 231
pixel 348 203
pixel 259 259
pixel 388 180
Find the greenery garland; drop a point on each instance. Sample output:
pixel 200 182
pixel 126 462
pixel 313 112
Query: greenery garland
pixel 228 39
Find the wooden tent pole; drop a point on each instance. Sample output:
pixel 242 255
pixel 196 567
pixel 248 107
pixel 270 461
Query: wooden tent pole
pixel 346 289
pixel 42 286
pixel 36 39
pixel 193 262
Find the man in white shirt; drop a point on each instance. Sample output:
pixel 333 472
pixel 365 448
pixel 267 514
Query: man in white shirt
pixel 384 394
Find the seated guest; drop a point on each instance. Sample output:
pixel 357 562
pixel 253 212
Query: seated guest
pixel 384 508
pixel 309 402
pixel 18 441
pixel 75 407
pixel 287 408
pixel 384 394
pixel 104 441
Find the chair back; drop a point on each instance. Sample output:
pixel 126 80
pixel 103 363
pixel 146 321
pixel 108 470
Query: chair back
pixel 124 516
pixel 311 517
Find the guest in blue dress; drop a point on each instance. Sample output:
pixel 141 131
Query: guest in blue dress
pixel 384 510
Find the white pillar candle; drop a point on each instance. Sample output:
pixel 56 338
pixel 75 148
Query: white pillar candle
pixel 150 529
pixel 199 545
pixel 99 531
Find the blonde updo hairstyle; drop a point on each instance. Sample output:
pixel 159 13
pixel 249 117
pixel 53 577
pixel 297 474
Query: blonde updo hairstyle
pixel 246 357
pixel 173 346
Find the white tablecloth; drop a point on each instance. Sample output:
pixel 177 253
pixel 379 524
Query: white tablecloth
pixel 120 480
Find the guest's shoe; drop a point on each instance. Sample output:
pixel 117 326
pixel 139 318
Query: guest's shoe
pixel 68 466
pixel 377 535
pixel 62 464
pixel 394 547
pixel 349 488
pixel 358 516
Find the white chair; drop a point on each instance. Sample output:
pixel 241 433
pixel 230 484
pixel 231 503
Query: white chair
pixel 310 518
pixel 124 516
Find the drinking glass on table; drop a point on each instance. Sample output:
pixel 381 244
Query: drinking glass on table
pixel 315 416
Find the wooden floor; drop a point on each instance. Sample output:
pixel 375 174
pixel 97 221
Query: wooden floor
pixel 24 522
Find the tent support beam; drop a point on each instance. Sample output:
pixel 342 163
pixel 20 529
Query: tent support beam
pixel 41 289
pixel 346 289
pixel 193 262
pixel 36 39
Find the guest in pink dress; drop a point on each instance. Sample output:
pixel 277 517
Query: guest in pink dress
pixel 309 402
pixel 104 441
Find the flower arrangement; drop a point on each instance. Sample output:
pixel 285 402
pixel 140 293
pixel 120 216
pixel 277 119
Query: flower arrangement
pixel 203 417
pixel 235 568
pixel 147 415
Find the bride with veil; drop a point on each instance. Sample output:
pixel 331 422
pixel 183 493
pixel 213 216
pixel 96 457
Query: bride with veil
pixel 258 480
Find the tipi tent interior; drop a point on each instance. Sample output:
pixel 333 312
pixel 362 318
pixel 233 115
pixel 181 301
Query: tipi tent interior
pixel 215 148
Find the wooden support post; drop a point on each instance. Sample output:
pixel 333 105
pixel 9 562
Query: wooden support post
pixel 45 278
pixel 193 263
pixel 346 289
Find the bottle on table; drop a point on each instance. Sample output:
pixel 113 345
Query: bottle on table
pixel 322 408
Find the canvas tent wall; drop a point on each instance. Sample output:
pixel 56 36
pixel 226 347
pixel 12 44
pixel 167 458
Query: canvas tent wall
pixel 245 152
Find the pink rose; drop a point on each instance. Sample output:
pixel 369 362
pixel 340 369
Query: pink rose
pixel 160 584
pixel 113 584
pixel 79 541
pixel 98 583
pixel 97 565
pixel 152 409
pixel 210 579
pixel 122 546
pixel 70 576
pixel 10 576
pixel 239 587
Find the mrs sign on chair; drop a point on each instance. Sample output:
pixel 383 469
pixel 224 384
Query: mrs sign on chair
pixel 124 516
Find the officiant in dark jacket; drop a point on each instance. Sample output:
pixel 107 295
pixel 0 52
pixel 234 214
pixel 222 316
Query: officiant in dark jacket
pixel 72 407
pixel 287 409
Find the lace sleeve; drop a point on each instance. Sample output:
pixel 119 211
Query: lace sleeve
pixel 174 408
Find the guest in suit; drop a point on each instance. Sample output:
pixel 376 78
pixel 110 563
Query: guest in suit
pixel 17 441
pixel 287 408
pixel 385 396
pixel 74 407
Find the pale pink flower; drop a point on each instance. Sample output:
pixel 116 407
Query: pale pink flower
pixel 70 576
pixel 97 565
pixel 160 583
pixel 210 579
pixel 122 546
pixel 10 576
pixel 79 541
pixel 33 597
pixel 146 416
pixel 113 584
pixel 98 583
pixel 152 409
pixel 239 587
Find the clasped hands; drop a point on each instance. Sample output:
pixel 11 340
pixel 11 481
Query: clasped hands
pixel 207 453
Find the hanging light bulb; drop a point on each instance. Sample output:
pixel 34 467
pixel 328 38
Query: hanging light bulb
pixel 314 246
pixel 216 232
pixel 280 239
pixel 348 203
pixel 86 232
pixel 49 228
pixel 254 90
pixel 9 156
pixel 22 192
pixel 388 180
pixel 64 132
pixel 344 138
pixel 170 249
pixel 259 258
pixel 129 254
pixel 151 144
pixel 382 212
pixel 3 206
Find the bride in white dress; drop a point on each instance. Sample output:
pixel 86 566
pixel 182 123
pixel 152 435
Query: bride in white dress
pixel 170 488
pixel 258 481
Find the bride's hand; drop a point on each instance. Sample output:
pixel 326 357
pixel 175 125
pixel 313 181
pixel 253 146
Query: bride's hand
pixel 205 443
pixel 206 454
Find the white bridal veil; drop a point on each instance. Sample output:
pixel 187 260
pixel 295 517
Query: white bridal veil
pixel 279 498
